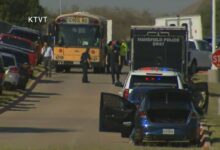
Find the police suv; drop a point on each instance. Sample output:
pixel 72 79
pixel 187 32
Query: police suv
pixel 152 77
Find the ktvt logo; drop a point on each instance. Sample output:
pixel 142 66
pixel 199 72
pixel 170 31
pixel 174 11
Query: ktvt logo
pixel 37 19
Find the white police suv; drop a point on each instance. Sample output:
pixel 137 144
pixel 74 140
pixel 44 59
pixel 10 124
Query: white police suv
pixel 152 77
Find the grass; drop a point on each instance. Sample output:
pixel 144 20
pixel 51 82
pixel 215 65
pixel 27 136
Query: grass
pixel 9 96
pixel 212 118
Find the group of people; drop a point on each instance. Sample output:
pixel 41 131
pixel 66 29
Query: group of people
pixel 115 58
pixel 115 52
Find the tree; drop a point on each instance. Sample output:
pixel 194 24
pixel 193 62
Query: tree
pixel 206 13
pixel 18 11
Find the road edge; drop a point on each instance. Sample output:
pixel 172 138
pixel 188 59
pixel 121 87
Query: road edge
pixel 24 95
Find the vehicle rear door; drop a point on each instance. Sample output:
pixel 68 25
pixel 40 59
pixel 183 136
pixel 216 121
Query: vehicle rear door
pixel 115 113
pixel 200 94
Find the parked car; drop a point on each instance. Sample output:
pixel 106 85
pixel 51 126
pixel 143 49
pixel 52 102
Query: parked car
pixel 30 34
pixel 21 56
pixel 2 72
pixel 11 76
pixel 21 44
pixel 152 77
pixel 199 55
pixel 165 115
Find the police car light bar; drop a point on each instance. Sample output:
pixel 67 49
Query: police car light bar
pixel 157 69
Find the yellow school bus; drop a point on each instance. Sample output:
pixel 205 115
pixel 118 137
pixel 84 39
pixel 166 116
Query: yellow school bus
pixel 73 34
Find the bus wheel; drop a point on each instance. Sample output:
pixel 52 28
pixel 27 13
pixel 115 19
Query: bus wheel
pixel 99 70
pixel 67 69
pixel 58 69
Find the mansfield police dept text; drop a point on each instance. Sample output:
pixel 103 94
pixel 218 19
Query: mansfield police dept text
pixel 159 41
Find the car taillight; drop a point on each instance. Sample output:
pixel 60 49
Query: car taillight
pixel 126 93
pixel 13 69
pixel 142 114
pixel 32 58
pixel 2 76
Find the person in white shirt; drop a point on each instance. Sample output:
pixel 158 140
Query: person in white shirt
pixel 47 53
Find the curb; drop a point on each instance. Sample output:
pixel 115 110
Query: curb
pixel 23 96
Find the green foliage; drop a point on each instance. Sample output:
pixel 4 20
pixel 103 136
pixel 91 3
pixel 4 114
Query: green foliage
pixel 206 13
pixel 123 18
pixel 18 11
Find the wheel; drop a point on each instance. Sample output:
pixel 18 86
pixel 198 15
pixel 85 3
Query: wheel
pixel 0 90
pixel 125 133
pixel 58 69
pixel 99 69
pixel 137 138
pixel 193 67
pixel 67 69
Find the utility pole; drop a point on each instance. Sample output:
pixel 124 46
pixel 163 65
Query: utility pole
pixel 213 29
pixel 214 73
pixel 60 7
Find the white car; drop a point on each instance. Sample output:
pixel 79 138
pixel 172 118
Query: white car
pixel 152 77
pixel 199 55
pixel 11 76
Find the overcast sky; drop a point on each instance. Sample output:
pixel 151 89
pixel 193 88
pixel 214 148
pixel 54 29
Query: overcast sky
pixel 154 6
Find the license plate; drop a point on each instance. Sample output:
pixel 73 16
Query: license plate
pixel 76 63
pixel 168 131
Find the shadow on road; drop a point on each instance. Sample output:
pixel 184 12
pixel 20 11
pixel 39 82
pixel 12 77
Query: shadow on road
pixel 214 95
pixel 45 81
pixel 31 100
pixel 32 130
pixel 42 94
pixel 216 140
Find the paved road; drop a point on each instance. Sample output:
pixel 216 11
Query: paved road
pixel 61 113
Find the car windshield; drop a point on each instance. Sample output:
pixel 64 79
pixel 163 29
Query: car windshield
pixel 154 81
pixel 204 45
pixel 18 43
pixel 78 35
pixel 27 35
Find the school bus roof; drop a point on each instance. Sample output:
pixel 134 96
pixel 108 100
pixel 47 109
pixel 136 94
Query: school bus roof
pixel 85 14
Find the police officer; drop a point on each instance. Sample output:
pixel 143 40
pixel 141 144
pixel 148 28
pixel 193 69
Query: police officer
pixel 114 57
pixel 85 62
pixel 47 53
pixel 107 53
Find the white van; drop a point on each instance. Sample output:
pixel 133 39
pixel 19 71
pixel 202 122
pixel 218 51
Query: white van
pixel 193 24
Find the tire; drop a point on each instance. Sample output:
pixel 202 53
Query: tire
pixel 138 138
pixel 125 134
pixel 193 67
pixel 99 69
pixel 58 69
pixel 67 69
pixel 1 90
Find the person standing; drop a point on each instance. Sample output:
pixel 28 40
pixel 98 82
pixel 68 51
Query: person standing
pixel 86 63
pixel 123 53
pixel 114 57
pixel 108 50
pixel 47 53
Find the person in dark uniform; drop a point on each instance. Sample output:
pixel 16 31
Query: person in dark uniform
pixel 114 57
pixel 107 53
pixel 85 62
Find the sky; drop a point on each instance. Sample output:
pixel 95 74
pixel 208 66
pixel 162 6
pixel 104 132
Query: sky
pixel 153 6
